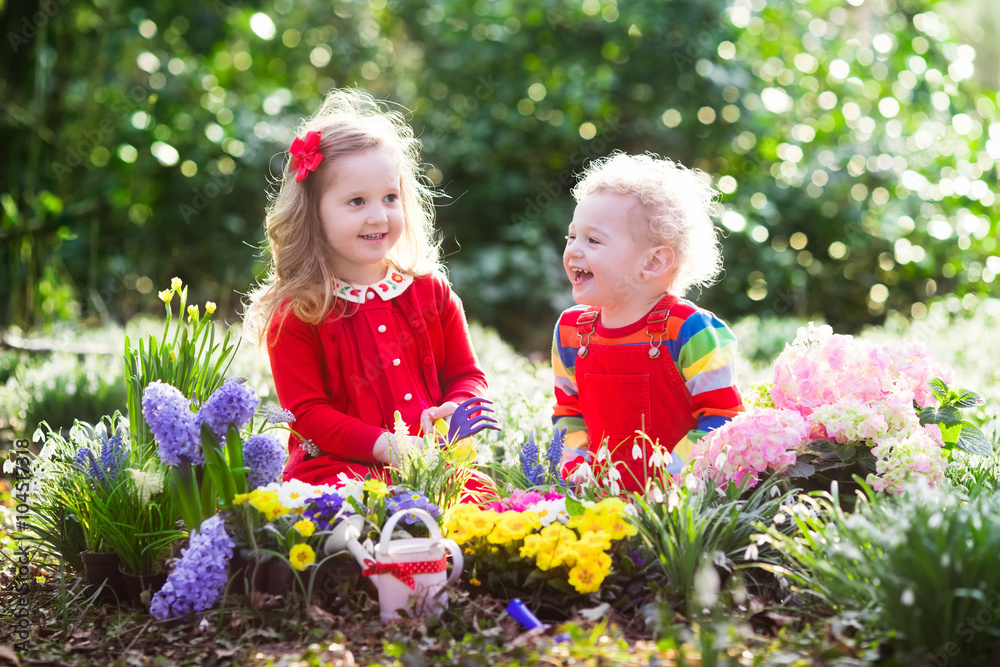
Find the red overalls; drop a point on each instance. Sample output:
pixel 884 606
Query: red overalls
pixel 629 388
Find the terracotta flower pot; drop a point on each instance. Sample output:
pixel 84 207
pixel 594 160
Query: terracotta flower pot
pixel 103 568
pixel 135 584
pixel 246 574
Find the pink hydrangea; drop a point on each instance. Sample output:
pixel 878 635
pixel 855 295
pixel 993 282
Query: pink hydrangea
pixel 753 442
pixel 822 368
pixel 905 458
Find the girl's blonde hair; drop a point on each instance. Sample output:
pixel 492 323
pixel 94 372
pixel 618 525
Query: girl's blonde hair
pixel 299 278
pixel 678 203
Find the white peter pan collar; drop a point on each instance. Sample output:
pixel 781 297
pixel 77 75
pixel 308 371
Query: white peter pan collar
pixel 394 284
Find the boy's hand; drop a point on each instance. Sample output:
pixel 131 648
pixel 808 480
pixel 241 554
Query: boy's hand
pixel 431 415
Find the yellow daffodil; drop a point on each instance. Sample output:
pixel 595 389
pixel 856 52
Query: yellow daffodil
pixel 193 311
pixel 209 307
pixel 176 283
pixel 301 556
pixel 305 527
pixel 166 296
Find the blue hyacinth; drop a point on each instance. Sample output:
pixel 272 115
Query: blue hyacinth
pixel 173 425
pixel 265 457
pixel 554 453
pixel 408 500
pixel 197 581
pixel 232 403
pixel 530 466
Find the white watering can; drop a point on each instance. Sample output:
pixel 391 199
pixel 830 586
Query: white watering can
pixel 409 574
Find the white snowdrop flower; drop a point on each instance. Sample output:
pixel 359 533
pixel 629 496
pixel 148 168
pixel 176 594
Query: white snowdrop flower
pixel 602 453
pixel 720 460
pixel 751 552
pixel 657 493
pixel 720 560
pixel 614 488
pixel 656 460
pixel 691 482
pixel 779 518
pixel 775 491
pixel 614 475
pixel 9 466
pixel 673 500
pixel 636 451
pixel 706 585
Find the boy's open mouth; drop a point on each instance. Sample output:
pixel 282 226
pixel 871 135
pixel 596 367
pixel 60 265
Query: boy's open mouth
pixel 580 276
pixel 373 237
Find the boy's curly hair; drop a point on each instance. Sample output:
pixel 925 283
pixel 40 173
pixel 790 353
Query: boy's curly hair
pixel 678 202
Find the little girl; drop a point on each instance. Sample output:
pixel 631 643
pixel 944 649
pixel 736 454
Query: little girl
pixel 358 318
pixel 640 358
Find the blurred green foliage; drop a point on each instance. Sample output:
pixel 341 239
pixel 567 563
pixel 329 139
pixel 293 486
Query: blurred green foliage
pixel 854 148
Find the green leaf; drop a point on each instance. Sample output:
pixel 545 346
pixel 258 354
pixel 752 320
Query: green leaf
pixel 946 415
pixel 846 452
pixel 968 399
pixel 972 440
pixel 800 469
pixel 822 446
pixel 939 388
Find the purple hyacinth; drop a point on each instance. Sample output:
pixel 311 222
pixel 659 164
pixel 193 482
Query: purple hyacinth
pixel 232 403
pixel 172 423
pixel 200 576
pixel 530 466
pixel 326 510
pixel 411 500
pixel 265 457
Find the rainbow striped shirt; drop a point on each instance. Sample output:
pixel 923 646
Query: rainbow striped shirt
pixel 700 344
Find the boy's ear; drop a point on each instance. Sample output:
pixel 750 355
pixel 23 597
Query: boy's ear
pixel 659 263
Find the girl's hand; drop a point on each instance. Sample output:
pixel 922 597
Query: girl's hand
pixel 385 452
pixel 431 415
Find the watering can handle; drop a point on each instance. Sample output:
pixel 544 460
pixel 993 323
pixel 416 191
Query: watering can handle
pixel 457 560
pixel 390 526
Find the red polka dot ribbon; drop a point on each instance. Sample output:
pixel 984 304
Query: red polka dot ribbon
pixel 405 571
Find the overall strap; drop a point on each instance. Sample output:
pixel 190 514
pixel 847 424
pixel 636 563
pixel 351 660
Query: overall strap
pixel 585 325
pixel 656 324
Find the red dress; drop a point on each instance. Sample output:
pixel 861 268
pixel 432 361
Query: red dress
pixel 406 348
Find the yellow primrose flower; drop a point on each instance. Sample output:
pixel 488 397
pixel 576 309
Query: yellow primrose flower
pixel 586 577
pixel 305 527
pixel 166 296
pixel 512 526
pixel 619 528
pixel 301 556
pixel 594 542
pixel 241 498
pixel 176 283
pixel 481 523
pixel 376 487
pixel 588 521
pixel 210 307
pixel 193 311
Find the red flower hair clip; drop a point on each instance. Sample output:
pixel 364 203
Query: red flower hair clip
pixel 305 154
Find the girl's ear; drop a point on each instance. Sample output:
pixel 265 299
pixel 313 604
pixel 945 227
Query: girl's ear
pixel 659 263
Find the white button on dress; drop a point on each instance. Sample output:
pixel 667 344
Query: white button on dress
pixel 381 328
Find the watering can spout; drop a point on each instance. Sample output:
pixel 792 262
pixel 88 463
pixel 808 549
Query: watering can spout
pixel 345 536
